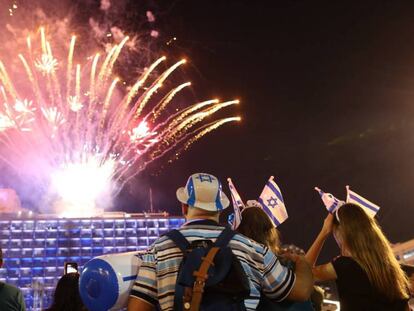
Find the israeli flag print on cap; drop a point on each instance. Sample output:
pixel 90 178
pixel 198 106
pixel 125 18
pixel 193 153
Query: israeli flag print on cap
pixel 203 191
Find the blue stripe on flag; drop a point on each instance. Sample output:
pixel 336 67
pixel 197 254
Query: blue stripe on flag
pixel 333 206
pixel 191 193
pixel 129 278
pixel 233 199
pixel 364 203
pixel 269 212
pixel 276 191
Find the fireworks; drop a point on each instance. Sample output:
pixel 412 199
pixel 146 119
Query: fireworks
pixel 70 127
pixel 46 65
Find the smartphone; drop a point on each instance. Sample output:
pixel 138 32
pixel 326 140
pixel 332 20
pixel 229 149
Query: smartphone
pixel 71 267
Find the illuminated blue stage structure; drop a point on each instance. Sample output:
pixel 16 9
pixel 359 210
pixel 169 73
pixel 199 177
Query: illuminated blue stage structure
pixel 36 248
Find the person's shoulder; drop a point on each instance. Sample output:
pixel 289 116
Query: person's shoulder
pixel 249 243
pixel 344 260
pixel 208 231
pixel 9 291
pixel 200 231
pixel 9 288
pixel 345 265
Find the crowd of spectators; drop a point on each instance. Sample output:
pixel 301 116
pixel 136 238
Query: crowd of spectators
pixel 367 274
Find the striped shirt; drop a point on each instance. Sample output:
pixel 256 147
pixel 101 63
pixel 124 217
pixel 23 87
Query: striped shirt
pixel 155 282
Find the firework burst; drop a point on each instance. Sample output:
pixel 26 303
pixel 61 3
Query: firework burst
pixel 69 126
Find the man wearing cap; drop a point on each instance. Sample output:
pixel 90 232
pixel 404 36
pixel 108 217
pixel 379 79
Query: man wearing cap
pixel 202 201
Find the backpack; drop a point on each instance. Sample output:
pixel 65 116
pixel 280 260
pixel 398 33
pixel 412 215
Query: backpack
pixel 210 276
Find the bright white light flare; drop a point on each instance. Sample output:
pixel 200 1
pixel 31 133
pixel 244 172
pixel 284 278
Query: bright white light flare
pixel 80 184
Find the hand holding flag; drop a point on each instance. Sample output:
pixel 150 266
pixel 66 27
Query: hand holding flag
pixel 272 201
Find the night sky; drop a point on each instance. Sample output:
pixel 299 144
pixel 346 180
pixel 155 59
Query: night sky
pixel 327 93
pixel 327 99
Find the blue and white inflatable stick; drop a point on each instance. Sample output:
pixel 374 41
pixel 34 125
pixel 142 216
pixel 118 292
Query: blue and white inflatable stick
pixel 106 281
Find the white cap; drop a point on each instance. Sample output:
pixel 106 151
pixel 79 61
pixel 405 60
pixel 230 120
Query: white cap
pixel 203 191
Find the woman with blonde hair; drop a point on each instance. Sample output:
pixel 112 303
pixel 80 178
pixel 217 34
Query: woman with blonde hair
pixel 367 274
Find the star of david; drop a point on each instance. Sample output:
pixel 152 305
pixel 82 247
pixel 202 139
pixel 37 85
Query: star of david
pixel 205 177
pixel 272 202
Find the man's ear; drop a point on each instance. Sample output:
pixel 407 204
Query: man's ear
pixel 184 209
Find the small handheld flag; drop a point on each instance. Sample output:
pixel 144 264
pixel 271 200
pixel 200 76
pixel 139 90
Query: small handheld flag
pixel 272 201
pixel 352 197
pixel 331 203
pixel 238 205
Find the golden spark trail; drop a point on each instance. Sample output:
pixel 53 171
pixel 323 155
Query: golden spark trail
pixel 92 100
pixel 166 100
pixel 43 40
pixel 116 121
pixel 3 93
pixel 108 96
pixel 33 81
pixel 114 58
pixel 175 119
pixel 147 95
pixel 104 66
pixel 56 84
pixel 77 101
pixel 105 109
pixel 78 81
pixel 207 129
pixel 4 77
pixel 69 69
pixel 93 74
pixel 134 90
pixel 29 44
pixel 194 119
pixel 49 49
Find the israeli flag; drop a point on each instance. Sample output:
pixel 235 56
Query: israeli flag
pixel 331 203
pixel 272 201
pixel 352 197
pixel 238 205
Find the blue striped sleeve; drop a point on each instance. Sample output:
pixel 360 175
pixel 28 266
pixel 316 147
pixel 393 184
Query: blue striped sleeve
pixel 278 280
pixel 145 286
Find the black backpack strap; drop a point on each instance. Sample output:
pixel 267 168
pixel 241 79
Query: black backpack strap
pixel 179 240
pixel 225 237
